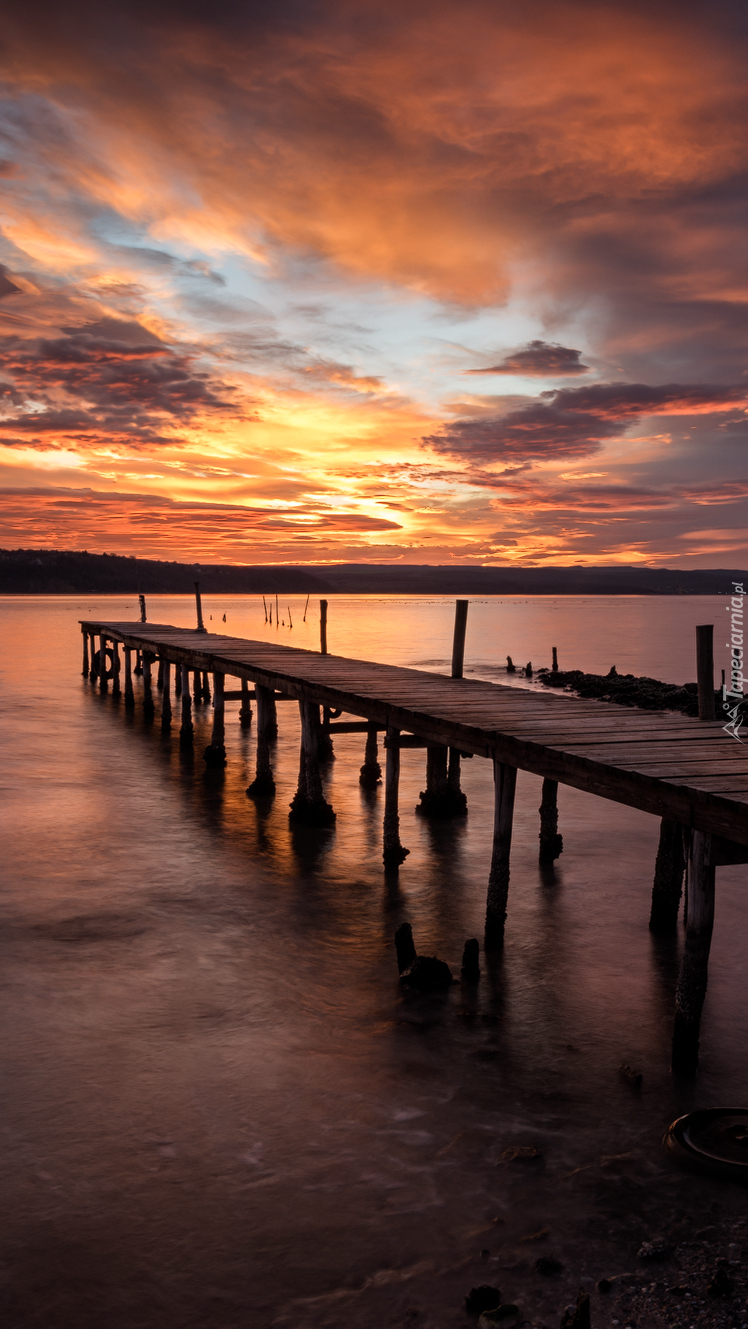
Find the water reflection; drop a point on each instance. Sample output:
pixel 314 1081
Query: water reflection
pixel 222 1107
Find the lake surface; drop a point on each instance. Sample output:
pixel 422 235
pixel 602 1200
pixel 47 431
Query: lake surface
pixel 219 1108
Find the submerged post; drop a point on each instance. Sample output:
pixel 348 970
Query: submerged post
pixel 186 731
pixel 393 852
pixel 166 696
pixel 197 687
pixel 668 878
pixel 263 784
pixel 309 806
pixel 458 640
pixel 694 969
pixel 551 843
pixel 129 694
pixel 371 772
pixel 245 714
pixel 206 686
pixel 177 680
pixel 92 640
pixel 160 674
pixel 505 783
pixel 705 670
pixel 141 598
pixel 323 627
pixel 215 753
pixel 85 667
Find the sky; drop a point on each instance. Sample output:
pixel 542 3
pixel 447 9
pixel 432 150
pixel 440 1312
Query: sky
pixel 359 282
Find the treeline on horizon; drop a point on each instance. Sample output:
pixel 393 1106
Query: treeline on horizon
pixel 70 572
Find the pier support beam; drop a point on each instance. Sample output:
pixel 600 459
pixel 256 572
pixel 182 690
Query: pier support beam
pixel 186 731
pixel 206 687
pixel 324 739
pixel 85 665
pixel 245 714
pixel 215 753
pixel 92 647
pixel 129 694
pixel 197 688
pixel 166 696
pixel 393 852
pixel 668 878
pixel 177 680
pixel 505 784
pixel 442 798
pixel 371 772
pixel 692 979
pixel 263 785
pixel 148 707
pixel 551 843
pixel 160 675
pixel 309 806
pixel 116 687
pixel 103 665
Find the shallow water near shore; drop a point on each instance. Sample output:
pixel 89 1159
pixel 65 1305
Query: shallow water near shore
pixel 220 1109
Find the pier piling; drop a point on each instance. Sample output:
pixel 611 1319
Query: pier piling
pixel 245 713
pixel 103 665
pixel 505 783
pixel 166 696
pixel 215 753
pixel 116 688
pixel 393 852
pixel 148 707
pixel 692 979
pixel 668 878
pixel 85 666
pixel 309 806
pixel 551 843
pixel 263 784
pixel 186 731
pixel 705 670
pixel 129 694
pixel 371 771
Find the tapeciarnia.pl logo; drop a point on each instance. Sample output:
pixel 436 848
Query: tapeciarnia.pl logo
pixel 735 692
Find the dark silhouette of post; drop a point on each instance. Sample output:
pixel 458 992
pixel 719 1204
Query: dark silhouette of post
pixel 505 783
pixel 141 598
pixel 199 606
pixel 694 968
pixel 705 670
pixel 393 852
pixel 667 887
pixel 323 627
pixel 215 753
pixel 263 785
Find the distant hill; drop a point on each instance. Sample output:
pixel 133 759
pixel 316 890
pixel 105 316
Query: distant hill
pixel 55 572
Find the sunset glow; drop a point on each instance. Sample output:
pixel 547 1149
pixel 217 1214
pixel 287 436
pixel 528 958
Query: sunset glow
pixel 340 283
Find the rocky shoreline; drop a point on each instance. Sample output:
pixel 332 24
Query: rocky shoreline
pixel 628 690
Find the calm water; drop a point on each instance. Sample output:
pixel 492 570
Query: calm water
pixel 219 1108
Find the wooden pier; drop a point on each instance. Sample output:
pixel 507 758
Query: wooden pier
pixel 687 772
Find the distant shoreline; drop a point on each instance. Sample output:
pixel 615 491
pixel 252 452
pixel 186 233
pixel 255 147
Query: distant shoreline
pixel 57 572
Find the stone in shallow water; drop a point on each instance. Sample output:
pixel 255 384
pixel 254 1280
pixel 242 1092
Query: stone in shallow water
pixel 482 1298
pixel 428 974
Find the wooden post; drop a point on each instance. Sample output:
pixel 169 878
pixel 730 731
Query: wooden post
pixel 505 783
pixel 554 666
pixel 668 878
pixel 551 843
pixel 324 738
pixel 103 666
pixel 371 772
pixel 138 663
pixel 692 979
pixel 705 670
pixel 199 606
pixel 206 687
pixel 94 671
pixel 116 689
pixel 85 666
pixel 129 694
pixel 215 753
pixel 263 784
pixel 393 852
pixel 148 707
pixel 245 714
pixel 458 640
pixel 186 731
pixel 323 627
pixel 160 675
pixel 166 696
pixel 309 806
pixel 141 598
pixel 177 680
pixel 197 688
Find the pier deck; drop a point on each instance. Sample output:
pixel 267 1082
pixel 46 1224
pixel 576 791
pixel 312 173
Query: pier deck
pixel 686 770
